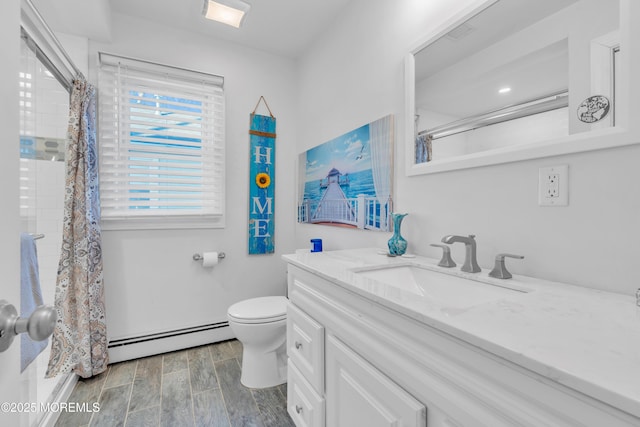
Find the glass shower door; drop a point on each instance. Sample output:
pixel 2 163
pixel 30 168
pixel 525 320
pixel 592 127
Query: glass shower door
pixel 44 106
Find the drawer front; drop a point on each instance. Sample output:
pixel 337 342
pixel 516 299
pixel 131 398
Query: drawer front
pixel 304 405
pixel 305 346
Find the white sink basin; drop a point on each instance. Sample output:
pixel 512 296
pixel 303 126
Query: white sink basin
pixel 449 290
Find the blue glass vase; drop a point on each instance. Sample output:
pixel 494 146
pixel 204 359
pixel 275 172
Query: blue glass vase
pixel 397 244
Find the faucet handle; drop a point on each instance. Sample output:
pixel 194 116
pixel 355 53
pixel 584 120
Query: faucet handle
pixel 499 269
pixel 446 260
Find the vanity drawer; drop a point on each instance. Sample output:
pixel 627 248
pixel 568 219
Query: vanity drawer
pixel 304 405
pixel 305 346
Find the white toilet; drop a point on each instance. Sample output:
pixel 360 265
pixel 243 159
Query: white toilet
pixel 260 324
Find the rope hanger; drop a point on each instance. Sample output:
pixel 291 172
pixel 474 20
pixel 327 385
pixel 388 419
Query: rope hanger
pixel 265 103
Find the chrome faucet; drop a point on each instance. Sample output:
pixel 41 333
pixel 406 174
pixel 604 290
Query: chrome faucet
pixel 470 263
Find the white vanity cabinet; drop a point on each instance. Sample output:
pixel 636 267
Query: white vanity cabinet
pixel 330 384
pixel 356 362
pixel 356 392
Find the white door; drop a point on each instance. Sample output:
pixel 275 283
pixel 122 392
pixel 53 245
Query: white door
pixel 358 394
pixel 10 383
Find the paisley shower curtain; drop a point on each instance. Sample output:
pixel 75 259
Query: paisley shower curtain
pixel 79 340
pixel 424 148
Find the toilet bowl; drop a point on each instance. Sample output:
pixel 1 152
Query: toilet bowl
pixel 260 324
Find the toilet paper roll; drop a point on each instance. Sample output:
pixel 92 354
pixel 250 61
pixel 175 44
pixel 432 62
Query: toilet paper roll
pixel 210 259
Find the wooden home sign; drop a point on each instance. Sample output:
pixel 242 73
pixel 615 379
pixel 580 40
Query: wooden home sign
pixel 262 180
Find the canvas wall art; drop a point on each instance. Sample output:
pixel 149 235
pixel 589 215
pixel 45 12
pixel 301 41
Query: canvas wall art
pixel 347 181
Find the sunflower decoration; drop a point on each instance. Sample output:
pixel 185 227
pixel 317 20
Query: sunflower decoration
pixel 263 180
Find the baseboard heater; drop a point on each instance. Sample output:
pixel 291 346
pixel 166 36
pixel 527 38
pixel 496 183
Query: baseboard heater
pixel 167 341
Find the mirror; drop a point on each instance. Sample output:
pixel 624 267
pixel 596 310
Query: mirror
pixel 516 79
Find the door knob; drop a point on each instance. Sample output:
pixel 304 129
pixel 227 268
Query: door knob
pixel 39 326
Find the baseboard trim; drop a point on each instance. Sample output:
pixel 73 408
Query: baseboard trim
pixel 152 344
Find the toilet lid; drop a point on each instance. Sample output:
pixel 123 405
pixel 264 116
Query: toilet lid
pixel 259 310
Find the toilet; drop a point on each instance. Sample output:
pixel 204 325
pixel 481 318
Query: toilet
pixel 260 324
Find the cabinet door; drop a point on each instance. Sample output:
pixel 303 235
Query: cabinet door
pixel 360 395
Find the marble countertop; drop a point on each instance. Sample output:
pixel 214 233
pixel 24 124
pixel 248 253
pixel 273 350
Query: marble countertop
pixel 585 339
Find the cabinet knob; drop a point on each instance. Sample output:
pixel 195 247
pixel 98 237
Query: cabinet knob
pixel 298 345
pixel 298 409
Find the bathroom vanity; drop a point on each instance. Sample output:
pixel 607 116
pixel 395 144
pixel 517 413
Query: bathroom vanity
pixel 374 340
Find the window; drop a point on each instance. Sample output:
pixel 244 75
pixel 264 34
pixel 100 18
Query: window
pixel 161 142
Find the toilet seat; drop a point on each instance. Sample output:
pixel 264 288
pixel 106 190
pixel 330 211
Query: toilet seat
pixel 259 310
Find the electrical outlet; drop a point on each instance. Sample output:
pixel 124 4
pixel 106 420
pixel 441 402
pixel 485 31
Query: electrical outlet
pixel 553 186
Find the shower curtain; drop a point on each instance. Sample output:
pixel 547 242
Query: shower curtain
pixel 79 341
pixel 424 148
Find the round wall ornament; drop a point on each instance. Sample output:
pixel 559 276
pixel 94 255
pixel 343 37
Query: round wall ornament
pixel 263 180
pixel 593 109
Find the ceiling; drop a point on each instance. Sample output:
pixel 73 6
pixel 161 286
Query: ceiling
pixel 495 23
pixel 282 27
pixel 90 19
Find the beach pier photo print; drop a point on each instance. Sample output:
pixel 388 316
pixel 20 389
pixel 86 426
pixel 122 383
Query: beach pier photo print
pixel 347 181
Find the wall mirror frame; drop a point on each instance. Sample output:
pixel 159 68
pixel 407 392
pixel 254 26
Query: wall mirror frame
pixel 627 127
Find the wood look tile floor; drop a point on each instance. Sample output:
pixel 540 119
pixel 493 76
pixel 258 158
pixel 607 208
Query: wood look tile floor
pixel 195 387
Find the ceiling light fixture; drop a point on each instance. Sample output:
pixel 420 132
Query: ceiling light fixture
pixel 230 12
pixel 505 90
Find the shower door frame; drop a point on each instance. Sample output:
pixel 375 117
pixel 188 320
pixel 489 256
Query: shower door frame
pixel 51 54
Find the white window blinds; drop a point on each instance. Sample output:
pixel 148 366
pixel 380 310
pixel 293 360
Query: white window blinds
pixel 161 145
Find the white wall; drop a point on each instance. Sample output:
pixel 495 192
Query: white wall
pixel 354 74
pixel 151 282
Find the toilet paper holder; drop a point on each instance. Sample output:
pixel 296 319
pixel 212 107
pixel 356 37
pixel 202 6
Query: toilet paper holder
pixel 198 257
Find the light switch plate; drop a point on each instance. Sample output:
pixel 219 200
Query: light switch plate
pixel 553 186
